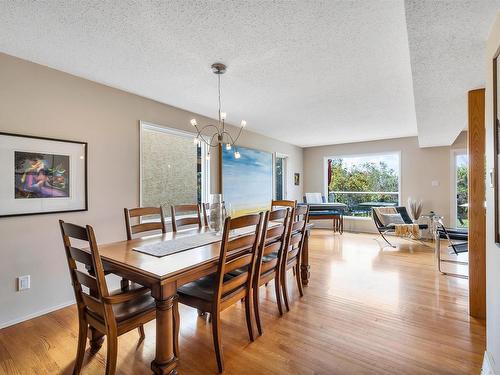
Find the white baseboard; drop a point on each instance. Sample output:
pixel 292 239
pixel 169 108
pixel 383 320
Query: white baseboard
pixel 36 314
pixel 487 368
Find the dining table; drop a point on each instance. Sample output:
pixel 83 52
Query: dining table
pixel 164 275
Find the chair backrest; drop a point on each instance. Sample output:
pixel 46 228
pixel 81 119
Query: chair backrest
pixel 237 253
pixel 404 214
pixel 177 222
pixel 205 207
pixel 456 247
pixel 296 233
pixel 283 203
pixel 90 301
pixel 376 219
pixel 272 240
pixel 137 213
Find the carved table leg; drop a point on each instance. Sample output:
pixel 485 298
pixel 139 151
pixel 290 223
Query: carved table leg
pixel 304 266
pixel 165 361
pixel 96 339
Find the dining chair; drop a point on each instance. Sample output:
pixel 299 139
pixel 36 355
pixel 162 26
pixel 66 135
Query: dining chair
pixel 205 210
pixel 283 203
pixel 293 249
pixel 270 257
pixel 142 227
pixel 110 313
pixel 220 290
pixel 185 220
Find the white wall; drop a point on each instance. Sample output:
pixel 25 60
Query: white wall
pixel 40 101
pixel 492 249
pixel 419 167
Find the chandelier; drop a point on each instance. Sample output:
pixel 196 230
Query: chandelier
pixel 217 135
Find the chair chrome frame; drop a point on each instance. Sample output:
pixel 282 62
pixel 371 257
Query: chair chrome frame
pixel 454 250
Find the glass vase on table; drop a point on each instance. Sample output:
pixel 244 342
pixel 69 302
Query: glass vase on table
pixel 216 213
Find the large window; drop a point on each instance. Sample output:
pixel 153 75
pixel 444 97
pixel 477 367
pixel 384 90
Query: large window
pixel 174 170
pixel 462 190
pixel 280 176
pixel 363 182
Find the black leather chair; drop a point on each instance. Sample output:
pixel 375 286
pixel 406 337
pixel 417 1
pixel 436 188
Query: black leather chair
pixel 385 229
pixel 458 240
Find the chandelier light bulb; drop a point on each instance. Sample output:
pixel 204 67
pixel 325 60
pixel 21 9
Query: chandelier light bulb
pixel 196 141
pixel 243 123
pixel 193 122
pixel 228 146
pixel 223 115
pixel 237 155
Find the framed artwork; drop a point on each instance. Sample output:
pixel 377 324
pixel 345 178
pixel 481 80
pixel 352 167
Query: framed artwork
pixel 496 143
pixel 41 175
pixel 296 179
pixel 247 182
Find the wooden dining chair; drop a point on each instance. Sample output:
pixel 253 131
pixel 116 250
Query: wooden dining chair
pixel 143 227
pixel 283 203
pixel 293 249
pixel 270 257
pixel 110 313
pixel 218 291
pixel 191 220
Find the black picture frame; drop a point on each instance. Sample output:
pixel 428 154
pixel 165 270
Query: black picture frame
pixel 85 175
pixel 296 179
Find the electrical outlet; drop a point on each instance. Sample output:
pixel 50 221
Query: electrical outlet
pixel 23 282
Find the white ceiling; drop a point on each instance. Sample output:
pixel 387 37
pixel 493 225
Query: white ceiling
pixel 305 72
pixel 447 48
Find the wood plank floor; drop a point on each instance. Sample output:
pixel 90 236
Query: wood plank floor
pixel 366 311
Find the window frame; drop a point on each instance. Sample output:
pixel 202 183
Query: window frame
pixel 285 157
pixel 343 156
pixel 205 164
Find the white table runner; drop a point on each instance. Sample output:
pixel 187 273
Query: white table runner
pixel 191 241
pixel 176 245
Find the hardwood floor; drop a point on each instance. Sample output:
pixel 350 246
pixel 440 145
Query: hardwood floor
pixel 365 311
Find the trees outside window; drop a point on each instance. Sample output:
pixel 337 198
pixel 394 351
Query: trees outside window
pixel 363 182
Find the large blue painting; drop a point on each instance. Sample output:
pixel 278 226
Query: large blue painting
pixel 248 181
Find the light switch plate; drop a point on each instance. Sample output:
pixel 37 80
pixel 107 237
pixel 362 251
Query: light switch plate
pixel 23 282
pixel 435 183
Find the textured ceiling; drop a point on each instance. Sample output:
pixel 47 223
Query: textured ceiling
pixel 305 72
pixel 447 42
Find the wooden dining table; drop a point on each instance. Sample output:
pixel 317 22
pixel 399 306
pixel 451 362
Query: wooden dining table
pixel 163 275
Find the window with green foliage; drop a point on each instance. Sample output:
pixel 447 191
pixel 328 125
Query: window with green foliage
pixel 363 182
pixel 462 173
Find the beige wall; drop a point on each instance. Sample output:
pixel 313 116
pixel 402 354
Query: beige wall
pixel 40 101
pixel 492 249
pixel 419 167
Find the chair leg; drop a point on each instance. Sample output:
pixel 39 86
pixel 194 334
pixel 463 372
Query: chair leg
pixel 256 308
pixel 217 340
pixel 248 314
pixel 82 341
pixel 299 281
pixel 386 240
pixel 142 334
pixel 124 284
pixel 112 353
pixel 284 288
pixel 177 324
pixel 277 287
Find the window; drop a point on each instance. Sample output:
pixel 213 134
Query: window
pixel 174 170
pixel 363 182
pixel 280 176
pixel 462 190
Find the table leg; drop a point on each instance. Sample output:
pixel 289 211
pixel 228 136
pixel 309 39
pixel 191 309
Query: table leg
pixel 304 265
pixel 96 339
pixel 165 361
